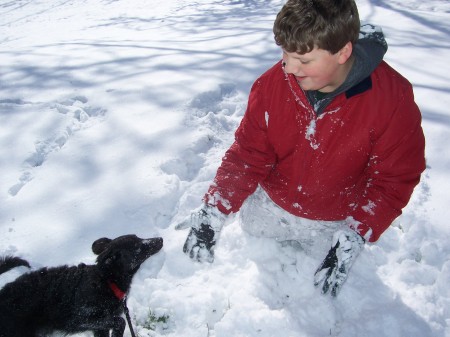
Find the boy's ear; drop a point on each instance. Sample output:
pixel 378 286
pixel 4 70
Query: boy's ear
pixel 345 53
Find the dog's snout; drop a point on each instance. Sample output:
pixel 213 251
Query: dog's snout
pixel 155 243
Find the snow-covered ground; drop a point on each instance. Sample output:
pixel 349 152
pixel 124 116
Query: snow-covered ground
pixel 114 115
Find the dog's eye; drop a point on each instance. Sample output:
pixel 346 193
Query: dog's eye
pixel 113 258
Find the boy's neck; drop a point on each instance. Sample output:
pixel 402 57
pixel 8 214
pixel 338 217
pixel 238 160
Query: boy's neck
pixel 341 76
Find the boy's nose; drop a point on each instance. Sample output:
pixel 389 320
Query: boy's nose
pixel 289 68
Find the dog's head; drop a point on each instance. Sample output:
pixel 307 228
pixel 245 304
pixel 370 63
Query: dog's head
pixel 125 254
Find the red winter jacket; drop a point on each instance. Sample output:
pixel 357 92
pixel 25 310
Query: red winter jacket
pixel 361 158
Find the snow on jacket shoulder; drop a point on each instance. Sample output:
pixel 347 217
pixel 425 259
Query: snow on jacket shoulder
pixel 360 158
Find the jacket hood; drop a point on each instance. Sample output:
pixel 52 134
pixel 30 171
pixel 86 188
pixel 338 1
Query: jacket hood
pixel 368 52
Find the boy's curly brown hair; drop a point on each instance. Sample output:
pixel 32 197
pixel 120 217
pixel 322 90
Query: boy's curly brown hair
pixel 302 25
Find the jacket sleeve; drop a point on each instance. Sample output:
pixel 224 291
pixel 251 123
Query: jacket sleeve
pixel 247 162
pixel 395 166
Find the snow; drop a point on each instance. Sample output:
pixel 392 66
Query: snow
pixel 114 116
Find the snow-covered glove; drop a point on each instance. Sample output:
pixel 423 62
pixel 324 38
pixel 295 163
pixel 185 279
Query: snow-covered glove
pixel 347 244
pixel 206 223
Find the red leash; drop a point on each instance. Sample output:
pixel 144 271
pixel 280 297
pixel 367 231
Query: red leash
pixel 117 292
pixel 122 296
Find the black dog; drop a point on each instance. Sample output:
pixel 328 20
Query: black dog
pixel 74 299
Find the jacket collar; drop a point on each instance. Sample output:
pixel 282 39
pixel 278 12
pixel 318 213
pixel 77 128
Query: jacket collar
pixel 363 86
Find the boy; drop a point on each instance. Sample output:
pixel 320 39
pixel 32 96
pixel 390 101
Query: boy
pixel 329 149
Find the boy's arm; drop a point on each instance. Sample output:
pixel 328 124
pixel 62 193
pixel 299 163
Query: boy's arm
pixel 247 162
pixel 394 170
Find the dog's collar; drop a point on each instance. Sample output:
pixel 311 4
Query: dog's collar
pixel 116 290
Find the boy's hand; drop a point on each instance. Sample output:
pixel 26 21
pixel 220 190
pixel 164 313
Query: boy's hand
pixel 206 224
pixel 347 244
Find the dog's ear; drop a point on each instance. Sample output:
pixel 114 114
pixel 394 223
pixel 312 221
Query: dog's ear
pixel 100 245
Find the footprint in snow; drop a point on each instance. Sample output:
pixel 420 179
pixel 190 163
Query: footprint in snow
pixel 215 115
pixel 79 115
pixel 187 165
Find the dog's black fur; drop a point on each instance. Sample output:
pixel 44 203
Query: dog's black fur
pixel 74 299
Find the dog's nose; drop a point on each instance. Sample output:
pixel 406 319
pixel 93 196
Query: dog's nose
pixel 154 242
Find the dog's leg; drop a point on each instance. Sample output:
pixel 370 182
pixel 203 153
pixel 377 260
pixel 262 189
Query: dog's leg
pixel 101 333
pixel 119 327
pixel 101 329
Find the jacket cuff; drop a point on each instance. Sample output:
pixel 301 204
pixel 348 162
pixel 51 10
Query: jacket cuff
pixel 362 229
pixel 217 201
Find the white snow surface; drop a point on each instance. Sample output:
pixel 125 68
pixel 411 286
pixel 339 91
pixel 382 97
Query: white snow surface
pixel 114 116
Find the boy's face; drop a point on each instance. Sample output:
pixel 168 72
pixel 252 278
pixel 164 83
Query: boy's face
pixel 318 69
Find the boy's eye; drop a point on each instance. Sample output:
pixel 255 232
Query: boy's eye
pixel 303 61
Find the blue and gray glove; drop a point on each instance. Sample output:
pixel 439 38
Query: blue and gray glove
pixel 347 244
pixel 206 223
